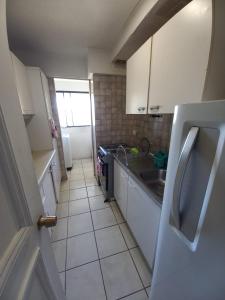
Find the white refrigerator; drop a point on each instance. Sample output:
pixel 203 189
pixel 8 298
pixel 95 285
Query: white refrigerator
pixel 190 254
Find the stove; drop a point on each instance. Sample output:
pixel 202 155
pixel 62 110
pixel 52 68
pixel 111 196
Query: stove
pixel 109 149
pixel 105 169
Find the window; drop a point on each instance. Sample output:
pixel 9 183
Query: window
pixel 74 109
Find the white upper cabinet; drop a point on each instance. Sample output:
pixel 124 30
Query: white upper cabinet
pixel 22 85
pixel 38 128
pixel 180 55
pixel 138 68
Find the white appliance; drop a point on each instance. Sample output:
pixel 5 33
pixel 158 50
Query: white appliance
pixel 190 255
pixel 67 150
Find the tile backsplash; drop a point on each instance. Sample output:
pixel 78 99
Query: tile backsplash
pixel 114 126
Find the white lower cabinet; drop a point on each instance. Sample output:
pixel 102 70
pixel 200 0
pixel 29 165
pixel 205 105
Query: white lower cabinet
pixel 48 194
pixel 140 211
pixel 56 172
pixel 120 187
pixel 143 216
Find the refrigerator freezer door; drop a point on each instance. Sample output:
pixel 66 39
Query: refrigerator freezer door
pixel 190 258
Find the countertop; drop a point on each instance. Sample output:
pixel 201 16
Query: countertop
pixel 42 160
pixel 135 166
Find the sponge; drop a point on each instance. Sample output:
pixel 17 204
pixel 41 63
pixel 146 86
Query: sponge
pixel 134 151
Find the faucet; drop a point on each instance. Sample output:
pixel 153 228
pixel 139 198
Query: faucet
pixel 145 145
pixel 121 147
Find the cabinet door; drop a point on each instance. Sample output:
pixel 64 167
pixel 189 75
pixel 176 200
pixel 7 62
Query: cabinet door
pixel 49 194
pixel 138 67
pixel 22 85
pixel 56 172
pixel 46 93
pixel 38 128
pixel 143 216
pixel 116 180
pixel 180 54
pixel 123 192
pixel 120 187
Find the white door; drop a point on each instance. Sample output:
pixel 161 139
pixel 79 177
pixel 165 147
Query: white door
pixel 27 265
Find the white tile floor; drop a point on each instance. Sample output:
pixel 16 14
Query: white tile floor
pixel 96 255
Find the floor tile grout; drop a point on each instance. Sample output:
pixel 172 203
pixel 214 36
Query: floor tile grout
pixel 137 269
pixel 132 294
pixel 98 253
pixel 129 252
pixel 66 250
pixel 59 218
pixel 98 259
pixel 84 264
pixel 94 233
pixel 90 231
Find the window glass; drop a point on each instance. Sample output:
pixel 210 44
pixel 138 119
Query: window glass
pixel 74 109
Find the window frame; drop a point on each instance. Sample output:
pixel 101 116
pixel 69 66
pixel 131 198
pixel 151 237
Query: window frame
pixel 74 92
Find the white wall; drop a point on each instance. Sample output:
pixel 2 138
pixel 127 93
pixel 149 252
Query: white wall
pixel 81 141
pixel 99 61
pixel 72 66
pixel 71 85
pixel 54 65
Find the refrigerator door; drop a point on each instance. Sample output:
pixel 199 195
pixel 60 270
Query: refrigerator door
pixel 190 256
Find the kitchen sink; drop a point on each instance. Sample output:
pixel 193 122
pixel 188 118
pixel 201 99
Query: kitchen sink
pixel 155 180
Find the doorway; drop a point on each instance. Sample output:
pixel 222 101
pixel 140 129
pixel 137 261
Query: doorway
pixel 74 109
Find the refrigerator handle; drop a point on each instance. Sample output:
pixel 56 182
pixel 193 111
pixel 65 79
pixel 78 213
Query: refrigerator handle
pixel 182 164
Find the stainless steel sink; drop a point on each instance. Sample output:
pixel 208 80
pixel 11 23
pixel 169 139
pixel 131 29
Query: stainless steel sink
pixel 155 180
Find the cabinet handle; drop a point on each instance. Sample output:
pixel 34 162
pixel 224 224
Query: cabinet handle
pixel 131 184
pixel 141 108
pixel 124 175
pixel 156 107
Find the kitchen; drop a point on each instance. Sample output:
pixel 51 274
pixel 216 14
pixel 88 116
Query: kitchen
pixel 143 215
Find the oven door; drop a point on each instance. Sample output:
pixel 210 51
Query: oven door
pixel 103 174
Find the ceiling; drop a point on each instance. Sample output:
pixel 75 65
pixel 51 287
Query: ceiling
pixel 66 26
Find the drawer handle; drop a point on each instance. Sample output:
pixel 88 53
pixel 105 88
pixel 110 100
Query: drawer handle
pixel 141 108
pixel 132 185
pixel 156 107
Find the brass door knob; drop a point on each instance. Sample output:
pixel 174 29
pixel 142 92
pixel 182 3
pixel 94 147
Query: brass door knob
pixel 48 221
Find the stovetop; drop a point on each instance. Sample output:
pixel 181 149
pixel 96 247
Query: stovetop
pixel 110 148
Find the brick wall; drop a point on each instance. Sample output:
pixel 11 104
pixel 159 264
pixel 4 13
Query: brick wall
pixel 114 126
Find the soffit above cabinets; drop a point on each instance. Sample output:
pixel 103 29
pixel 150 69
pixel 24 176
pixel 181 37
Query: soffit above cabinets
pixel 148 17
